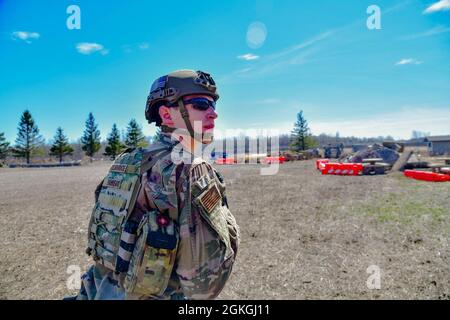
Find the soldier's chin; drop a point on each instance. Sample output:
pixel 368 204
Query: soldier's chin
pixel 207 136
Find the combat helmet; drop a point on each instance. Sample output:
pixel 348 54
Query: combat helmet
pixel 170 88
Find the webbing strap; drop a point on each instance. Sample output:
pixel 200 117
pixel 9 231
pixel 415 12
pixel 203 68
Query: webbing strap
pixel 145 166
pixel 185 115
pixel 173 213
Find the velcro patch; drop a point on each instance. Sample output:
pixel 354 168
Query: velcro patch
pixel 113 183
pixel 122 168
pixel 210 199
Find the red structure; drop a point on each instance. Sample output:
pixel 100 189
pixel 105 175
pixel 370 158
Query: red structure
pixel 270 160
pixel 320 163
pixel 344 169
pixel 427 176
pixel 225 161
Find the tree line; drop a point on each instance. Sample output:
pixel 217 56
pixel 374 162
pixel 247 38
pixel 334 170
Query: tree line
pixel 29 141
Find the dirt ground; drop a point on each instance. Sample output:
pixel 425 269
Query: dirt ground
pixel 304 236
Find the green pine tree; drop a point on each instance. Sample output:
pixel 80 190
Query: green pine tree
pixel 134 137
pixel 60 146
pixel 157 134
pixel 115 146
pixel 91 137
pixel 28 139
pixel 4 146
pixel 301 138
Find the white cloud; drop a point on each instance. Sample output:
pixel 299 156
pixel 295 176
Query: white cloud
pixel 88 48
pixel 248 57
pixel 25 36
pixel 429 33
pixel 408 61
pixel 438 6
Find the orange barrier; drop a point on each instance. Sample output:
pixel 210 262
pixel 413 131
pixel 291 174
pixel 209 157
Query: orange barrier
pixel 321 161
pixel 426 176
pixel 270 160
pixel 225 161
pixel 345 169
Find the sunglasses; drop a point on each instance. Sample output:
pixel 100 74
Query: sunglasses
pixel 201 104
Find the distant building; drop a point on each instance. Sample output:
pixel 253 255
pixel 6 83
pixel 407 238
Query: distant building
pixel 438 145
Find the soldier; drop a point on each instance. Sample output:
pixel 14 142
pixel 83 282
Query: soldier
pixel 162 229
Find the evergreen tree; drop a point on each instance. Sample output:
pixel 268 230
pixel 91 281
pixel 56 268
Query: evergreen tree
pixel 301 136
pixel 28 138
pixel 4 146
pixel 60 146
pixel 91 137
pixel 134 137
pixel 114 146
pixel 157 134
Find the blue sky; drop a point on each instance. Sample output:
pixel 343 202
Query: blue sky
pixel 269 58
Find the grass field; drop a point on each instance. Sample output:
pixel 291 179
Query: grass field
pixel 304 236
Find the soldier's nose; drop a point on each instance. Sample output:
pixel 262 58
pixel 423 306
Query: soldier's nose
pixel 212 114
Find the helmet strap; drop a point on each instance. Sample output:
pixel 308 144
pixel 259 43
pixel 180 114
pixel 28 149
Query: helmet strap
pixel 185 115
pixel 166 129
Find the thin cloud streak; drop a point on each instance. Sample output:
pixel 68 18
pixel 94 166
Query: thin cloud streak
pixel 432 32
pixel 441 5
pixel 307 51
pixel 248 57
pixel 408 61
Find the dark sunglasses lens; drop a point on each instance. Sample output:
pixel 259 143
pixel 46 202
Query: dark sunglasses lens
pixel 201 104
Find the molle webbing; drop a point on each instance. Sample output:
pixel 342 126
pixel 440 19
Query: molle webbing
pixel 111 234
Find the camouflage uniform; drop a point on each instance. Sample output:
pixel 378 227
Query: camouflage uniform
pixel 206 249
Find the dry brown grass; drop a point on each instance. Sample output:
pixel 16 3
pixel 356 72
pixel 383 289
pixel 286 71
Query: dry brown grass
pixel 304 236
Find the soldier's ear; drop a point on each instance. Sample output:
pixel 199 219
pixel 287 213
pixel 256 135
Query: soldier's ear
pixel 164 113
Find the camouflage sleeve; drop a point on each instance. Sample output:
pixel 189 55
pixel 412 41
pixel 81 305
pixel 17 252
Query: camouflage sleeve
pixel 207 247
pixel 233 227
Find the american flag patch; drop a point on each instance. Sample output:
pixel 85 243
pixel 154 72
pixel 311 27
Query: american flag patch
pixel 210 199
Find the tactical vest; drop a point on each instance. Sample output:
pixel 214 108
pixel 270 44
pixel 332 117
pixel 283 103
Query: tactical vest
pixel 143 255
pixel 114 240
